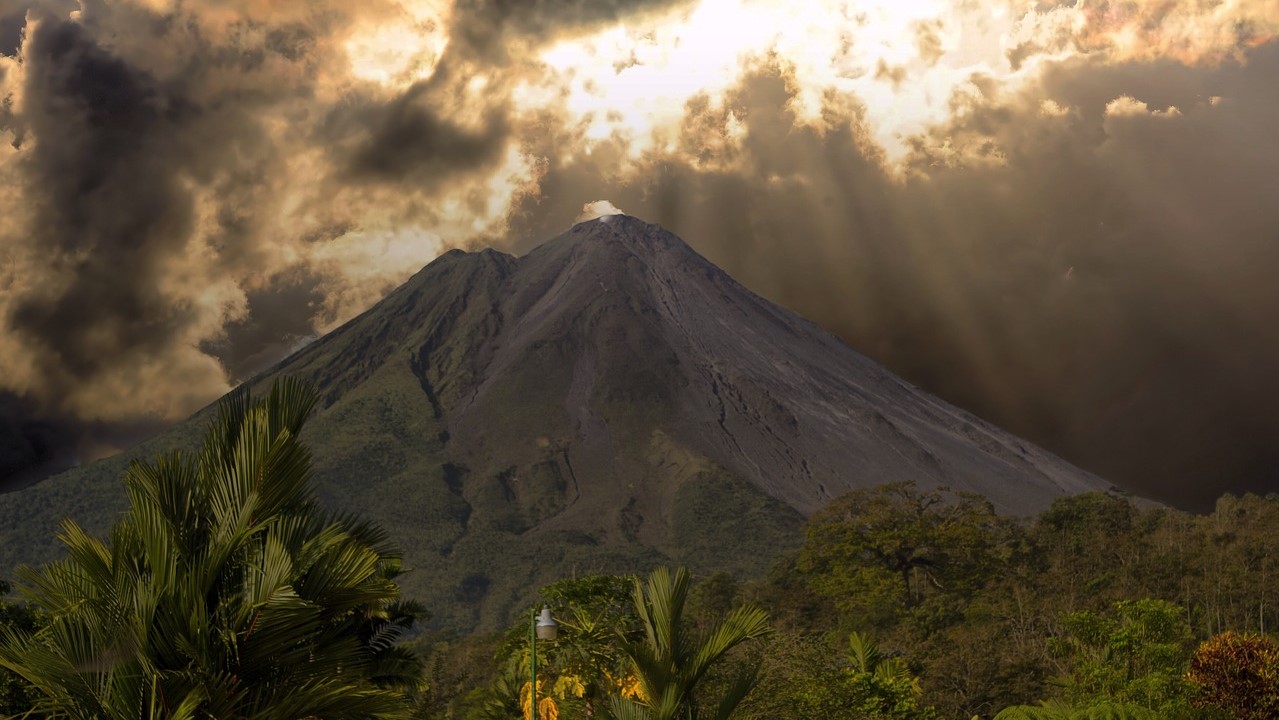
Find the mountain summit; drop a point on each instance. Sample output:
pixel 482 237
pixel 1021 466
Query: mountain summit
pixel 608 401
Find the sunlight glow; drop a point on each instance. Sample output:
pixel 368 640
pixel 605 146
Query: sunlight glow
pixel 912 64
pixel 901 73
pixel 398 53
pixel 904 60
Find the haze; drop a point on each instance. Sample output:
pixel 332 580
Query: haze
pixel 1060 215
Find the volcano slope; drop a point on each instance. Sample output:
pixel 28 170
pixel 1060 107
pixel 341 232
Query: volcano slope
pixel 607 402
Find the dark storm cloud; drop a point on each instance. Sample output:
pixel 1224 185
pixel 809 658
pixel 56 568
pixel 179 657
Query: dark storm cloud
pixel 110 207
pixel 29 446
pixel 1100 281
pixel 408 139
pixel 279 318
pixel 131 180
pixel 35 443
pixel 13 19
pixel 1150 359
pixel 491 29
pixel 413 137
pixel 11 27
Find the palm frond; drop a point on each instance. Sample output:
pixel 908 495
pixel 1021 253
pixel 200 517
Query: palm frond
pixel 621 708
pixel 863 652
pixel 224 592
pixel 669 661
pixel 736 692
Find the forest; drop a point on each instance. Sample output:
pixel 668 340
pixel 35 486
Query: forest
pixel 906 603
pixel 226 592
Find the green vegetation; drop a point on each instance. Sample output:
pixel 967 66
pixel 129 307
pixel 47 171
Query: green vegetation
pixel 16 694
pixel 1058 710
pixel 1133 655
pixel 225 591
pixel 670 663
pixel 467 515
pixel 905 603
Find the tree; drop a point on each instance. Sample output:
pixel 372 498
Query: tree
pixel 587 659
pixel 17 696
pixel 804 677
pixel 1241 548
pixel 1137 654
pixel 1091 548
pixel 1239 674
pixel 883 552
pixel 223 592
pixel 671 661
pixel 881 688
pixel 908 565
pixel 580 670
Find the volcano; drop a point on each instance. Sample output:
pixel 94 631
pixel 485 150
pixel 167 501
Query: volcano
pixel 607 402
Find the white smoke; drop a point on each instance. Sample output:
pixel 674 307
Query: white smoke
pixel 600 209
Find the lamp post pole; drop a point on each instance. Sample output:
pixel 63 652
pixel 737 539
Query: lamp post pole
pixel 545 628
pixel 532 663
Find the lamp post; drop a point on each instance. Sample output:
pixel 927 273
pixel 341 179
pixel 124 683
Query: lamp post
pixel 541 628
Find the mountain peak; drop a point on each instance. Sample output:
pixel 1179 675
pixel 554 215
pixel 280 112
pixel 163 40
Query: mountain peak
pixel 625 230
pixel 607 402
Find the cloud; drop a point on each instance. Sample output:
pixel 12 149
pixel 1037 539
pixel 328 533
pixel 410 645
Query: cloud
pixel 1125 106
pixel 495 29
pixel 1055 213
pixel 189 187
pixel 409 140
pixel 597 209
pixel 112 221
pixel 1144 30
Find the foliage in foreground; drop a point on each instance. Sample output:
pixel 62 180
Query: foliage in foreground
pixel 16 694
pixel 672 659
pixel 224 592
pixel 1094 609
pixel 1238 673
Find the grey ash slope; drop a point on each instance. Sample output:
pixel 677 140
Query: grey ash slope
pixel 609 401
pixel 621 312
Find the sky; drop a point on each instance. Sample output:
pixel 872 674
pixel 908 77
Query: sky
pixel 1063 216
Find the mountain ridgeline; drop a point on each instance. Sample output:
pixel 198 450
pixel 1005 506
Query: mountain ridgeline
pixel 605 403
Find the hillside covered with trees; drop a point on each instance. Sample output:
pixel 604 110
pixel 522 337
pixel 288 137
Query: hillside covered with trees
pixel 225 592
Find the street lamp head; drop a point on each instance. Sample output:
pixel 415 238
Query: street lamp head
pixel 547 628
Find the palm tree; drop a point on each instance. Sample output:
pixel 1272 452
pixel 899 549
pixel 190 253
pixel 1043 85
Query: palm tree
pixel 885 687
pixel 867 659
pixel 224 592
pixel 671 660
